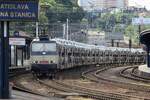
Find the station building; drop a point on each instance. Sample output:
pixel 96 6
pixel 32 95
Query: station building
pixel 20 54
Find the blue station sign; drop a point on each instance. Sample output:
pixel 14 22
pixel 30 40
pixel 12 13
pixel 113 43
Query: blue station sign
pixel 15 10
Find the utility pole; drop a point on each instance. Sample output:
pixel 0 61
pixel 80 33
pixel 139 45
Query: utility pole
pixel 112 42
pixel 91 15
pixel 118 43
pixel 139 32
pixel 67 29
pixel 37 29
pixel 130 43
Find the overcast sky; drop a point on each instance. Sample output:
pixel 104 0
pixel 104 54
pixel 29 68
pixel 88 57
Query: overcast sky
pixel 140 3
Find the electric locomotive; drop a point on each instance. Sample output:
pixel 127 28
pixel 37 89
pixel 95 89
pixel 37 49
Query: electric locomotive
pixel 44 56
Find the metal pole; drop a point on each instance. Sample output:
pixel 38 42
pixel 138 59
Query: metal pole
pixel 64 31
pixel 67 30
pixel 22 57
pixel 139 29
pixel 112 43
pixel 118 44
pixel 37 29
pixel 10 55
pixel 4 83
pixel 148 56
pixel 26 51
pixel 130 43
pixel 16 56
pixel 139 32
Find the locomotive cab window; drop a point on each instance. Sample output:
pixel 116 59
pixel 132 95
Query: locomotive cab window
pixel 47 47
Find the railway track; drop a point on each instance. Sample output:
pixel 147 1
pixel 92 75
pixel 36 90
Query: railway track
pixel 133 75
pixel 93 76
pixel 123 84
pixel 84 91
pixel 17 73
pixel 13 76
pixel 87 92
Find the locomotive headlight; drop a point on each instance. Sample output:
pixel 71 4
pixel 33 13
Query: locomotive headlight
pixel 52 61
pixel 35 62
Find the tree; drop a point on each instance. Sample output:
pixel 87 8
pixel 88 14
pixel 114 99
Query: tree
pixel 63 9
pixel 42 18
pixel 107 22
pixel 47 2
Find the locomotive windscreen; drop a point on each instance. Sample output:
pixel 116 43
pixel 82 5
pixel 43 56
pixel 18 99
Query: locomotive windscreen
pixel 40 47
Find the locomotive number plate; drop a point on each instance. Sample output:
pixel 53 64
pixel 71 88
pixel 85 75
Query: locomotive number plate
pixel 43 62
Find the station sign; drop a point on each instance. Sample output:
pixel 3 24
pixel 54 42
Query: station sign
pixel 17 41
pixel 15 10
pixel 140 21
pixel 114 36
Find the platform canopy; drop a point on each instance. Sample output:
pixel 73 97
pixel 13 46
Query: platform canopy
pixel 145 37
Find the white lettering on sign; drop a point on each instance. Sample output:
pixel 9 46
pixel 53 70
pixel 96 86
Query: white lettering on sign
pixel 14 10
pixel 14 6
pixel 22 14
pixel 16 41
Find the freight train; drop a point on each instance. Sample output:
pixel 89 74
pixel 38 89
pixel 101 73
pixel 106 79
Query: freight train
pixel 51 55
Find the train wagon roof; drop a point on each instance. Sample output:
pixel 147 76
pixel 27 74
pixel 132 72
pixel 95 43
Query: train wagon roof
pixel 88 46
pixel 69 43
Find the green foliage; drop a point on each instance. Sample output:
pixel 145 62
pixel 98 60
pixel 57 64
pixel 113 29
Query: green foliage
pixel 47 2
pixel 132 32
pixel 129 31
pixel 53 11
pixel 119 28
pixel 64 2
pixel 119 21
pixel 43 18
pixel 63 9
pixel 145 27
pixel 107 22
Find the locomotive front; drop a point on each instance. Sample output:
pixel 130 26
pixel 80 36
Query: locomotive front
pixel 44 57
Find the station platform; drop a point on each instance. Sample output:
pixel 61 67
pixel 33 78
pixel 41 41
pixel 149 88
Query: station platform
pixel 17 95
pixel 26 65
pixel 19 67
pixel 144 71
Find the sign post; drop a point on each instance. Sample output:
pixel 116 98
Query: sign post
pixel 17 41
pixel 4 93
pixel 140 21
pixel 12 10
